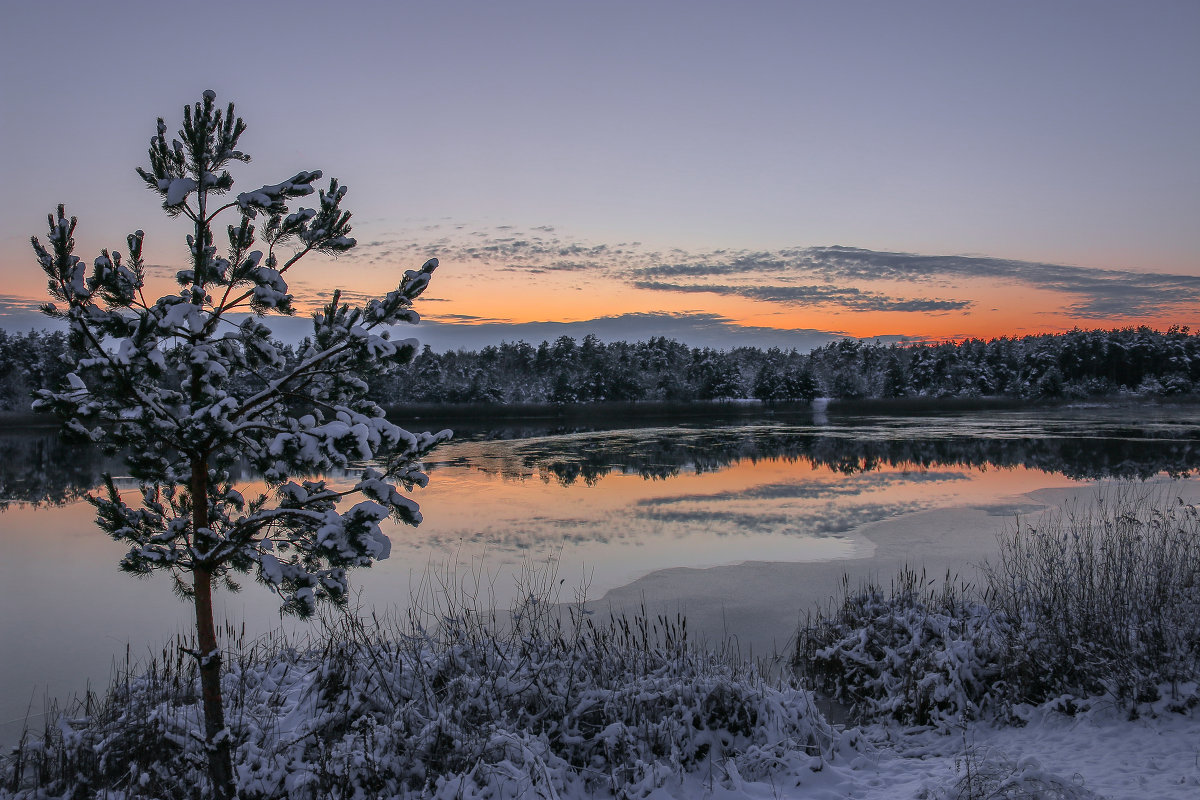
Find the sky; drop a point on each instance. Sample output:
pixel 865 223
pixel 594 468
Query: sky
pixel 726 173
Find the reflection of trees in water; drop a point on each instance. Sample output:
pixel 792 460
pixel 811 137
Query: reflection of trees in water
pixel 1077 458
pixel 37 467
pixel 660 454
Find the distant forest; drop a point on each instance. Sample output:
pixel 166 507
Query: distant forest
pixel 1077 364
pixel 1074 365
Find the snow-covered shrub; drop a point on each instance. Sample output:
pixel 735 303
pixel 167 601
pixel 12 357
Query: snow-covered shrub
pixel 916 654
pixel 1150 387
pixel 1177 383
pixel 988 775
pixel 1079 603
pixel 1173 384
pixel 470 704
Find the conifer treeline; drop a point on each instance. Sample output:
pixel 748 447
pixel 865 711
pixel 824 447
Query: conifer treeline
pixel 1076 364
pixel 29 361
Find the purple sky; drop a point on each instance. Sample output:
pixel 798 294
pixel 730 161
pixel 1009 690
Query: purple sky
pixel 1057 133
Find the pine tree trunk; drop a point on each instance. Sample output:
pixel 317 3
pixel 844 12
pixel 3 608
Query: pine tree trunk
pixel 220 767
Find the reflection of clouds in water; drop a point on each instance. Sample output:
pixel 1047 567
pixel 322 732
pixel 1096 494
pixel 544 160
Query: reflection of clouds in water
pixel 529 534
pixel 655 524
pixel 746 521
pixel 815 508
pixel 851 485
pixel 840 519
pixel 822 521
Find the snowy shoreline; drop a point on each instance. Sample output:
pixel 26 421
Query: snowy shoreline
pixel 760 603
pixel 1099 749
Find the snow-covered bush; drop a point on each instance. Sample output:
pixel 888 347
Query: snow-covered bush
pixel 538 703
pixel 1169 385
pixel 987 775
pixel 1079 603
pixel 915 654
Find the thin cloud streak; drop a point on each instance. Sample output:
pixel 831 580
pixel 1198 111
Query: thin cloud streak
pixel 13 306
pixel 843 297
pixel 819 274
pixel 1103 292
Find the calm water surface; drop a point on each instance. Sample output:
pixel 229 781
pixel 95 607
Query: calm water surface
pixel 601 507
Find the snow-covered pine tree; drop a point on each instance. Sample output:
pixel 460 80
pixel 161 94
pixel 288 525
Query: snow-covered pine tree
pixel 189 393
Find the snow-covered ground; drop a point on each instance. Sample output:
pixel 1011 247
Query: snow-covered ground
pixel 1100 754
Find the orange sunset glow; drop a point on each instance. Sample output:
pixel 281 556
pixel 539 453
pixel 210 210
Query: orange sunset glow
pixel 929 186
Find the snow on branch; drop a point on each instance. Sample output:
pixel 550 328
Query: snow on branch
pixel 192 404
pixel 273 199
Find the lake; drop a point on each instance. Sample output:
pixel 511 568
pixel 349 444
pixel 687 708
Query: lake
pixel 741 525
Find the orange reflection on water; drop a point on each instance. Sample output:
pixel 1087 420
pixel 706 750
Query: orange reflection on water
pixel 623 526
